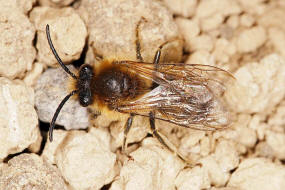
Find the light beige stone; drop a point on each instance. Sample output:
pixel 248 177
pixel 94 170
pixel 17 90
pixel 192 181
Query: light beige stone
pixel 278 117
pixel 223 50
pixel 206 146
pixel 32 76
pixel 112 29
pixel 55 3
pixel 251 39
pixel 185 8
pixel 189 30
pixel 85 159
pixel 240 133
pixel 217 176
pixel 67 31
pixel 151 167
pixel 202 57
pixel 36 146
pixel 277 39
pixel 189 143
pixel 52 86
pixel 225 188
pixel 233 21
pixel 18 5
pixel 208 8
pixel 192 179
pixel 273 17
pixel 29 171
pixel 247 20
pixel 245 136
pixel 259 87
pixel 201 42
pixel 18 118
pixel 264 150
pixel 255 7
pixel 51 147
pixel 226 155
pixel 258 173
pixel 211 30
pixel 139 130
pixel 16 33
pixel 276 141
pixel 211 23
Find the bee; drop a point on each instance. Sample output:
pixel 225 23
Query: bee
pixel 187 95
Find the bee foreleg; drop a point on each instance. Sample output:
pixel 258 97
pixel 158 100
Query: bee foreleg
pixel 138 45
pixel 157 135
pixel 128 126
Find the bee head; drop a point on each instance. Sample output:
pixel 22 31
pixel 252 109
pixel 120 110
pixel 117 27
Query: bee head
pixel 83 84
pixel 84 81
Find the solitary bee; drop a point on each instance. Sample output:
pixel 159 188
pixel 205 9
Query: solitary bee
pixel 185 95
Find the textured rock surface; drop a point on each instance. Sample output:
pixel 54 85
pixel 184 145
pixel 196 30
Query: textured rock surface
pixel 251 39
pixel 149 168
pixel 24 5
pixel 55 3
pixel 112 29
pixel 18 118
pixel 51 88
pixel 51 147
pixel 247 38
pixel 94 166
pixel 33 75
pixel 258 173
pixel 184 8
pixel 67 32
pixel 16 33
pixel 195 178
pixel 255 94
pixel 136 134
pixel 29 171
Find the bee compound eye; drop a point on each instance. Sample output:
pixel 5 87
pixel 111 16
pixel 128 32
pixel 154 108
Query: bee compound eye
pixel 86 72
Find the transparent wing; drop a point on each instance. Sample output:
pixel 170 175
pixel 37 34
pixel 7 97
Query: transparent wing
pixel 187 95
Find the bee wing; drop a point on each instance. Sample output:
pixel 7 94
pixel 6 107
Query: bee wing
pixel 187 95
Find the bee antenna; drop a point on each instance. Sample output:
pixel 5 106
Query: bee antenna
pixel 56 55
pixel 52 124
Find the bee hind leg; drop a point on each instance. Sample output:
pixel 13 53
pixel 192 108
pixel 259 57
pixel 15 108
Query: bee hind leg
pixel 128 126
pixel 138 44
pixel 157 135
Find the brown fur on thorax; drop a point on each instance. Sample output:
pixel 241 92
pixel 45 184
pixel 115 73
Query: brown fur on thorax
pixel 107 105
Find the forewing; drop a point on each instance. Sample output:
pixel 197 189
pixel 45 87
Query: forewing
pixel 187 95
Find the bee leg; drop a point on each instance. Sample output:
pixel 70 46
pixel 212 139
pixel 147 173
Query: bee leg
pixel 157 135
pixel 126 131
pixel 138 45
pixel 157 56
pixel 158 51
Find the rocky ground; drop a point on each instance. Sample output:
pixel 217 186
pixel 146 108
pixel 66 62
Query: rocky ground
pixel 246 38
